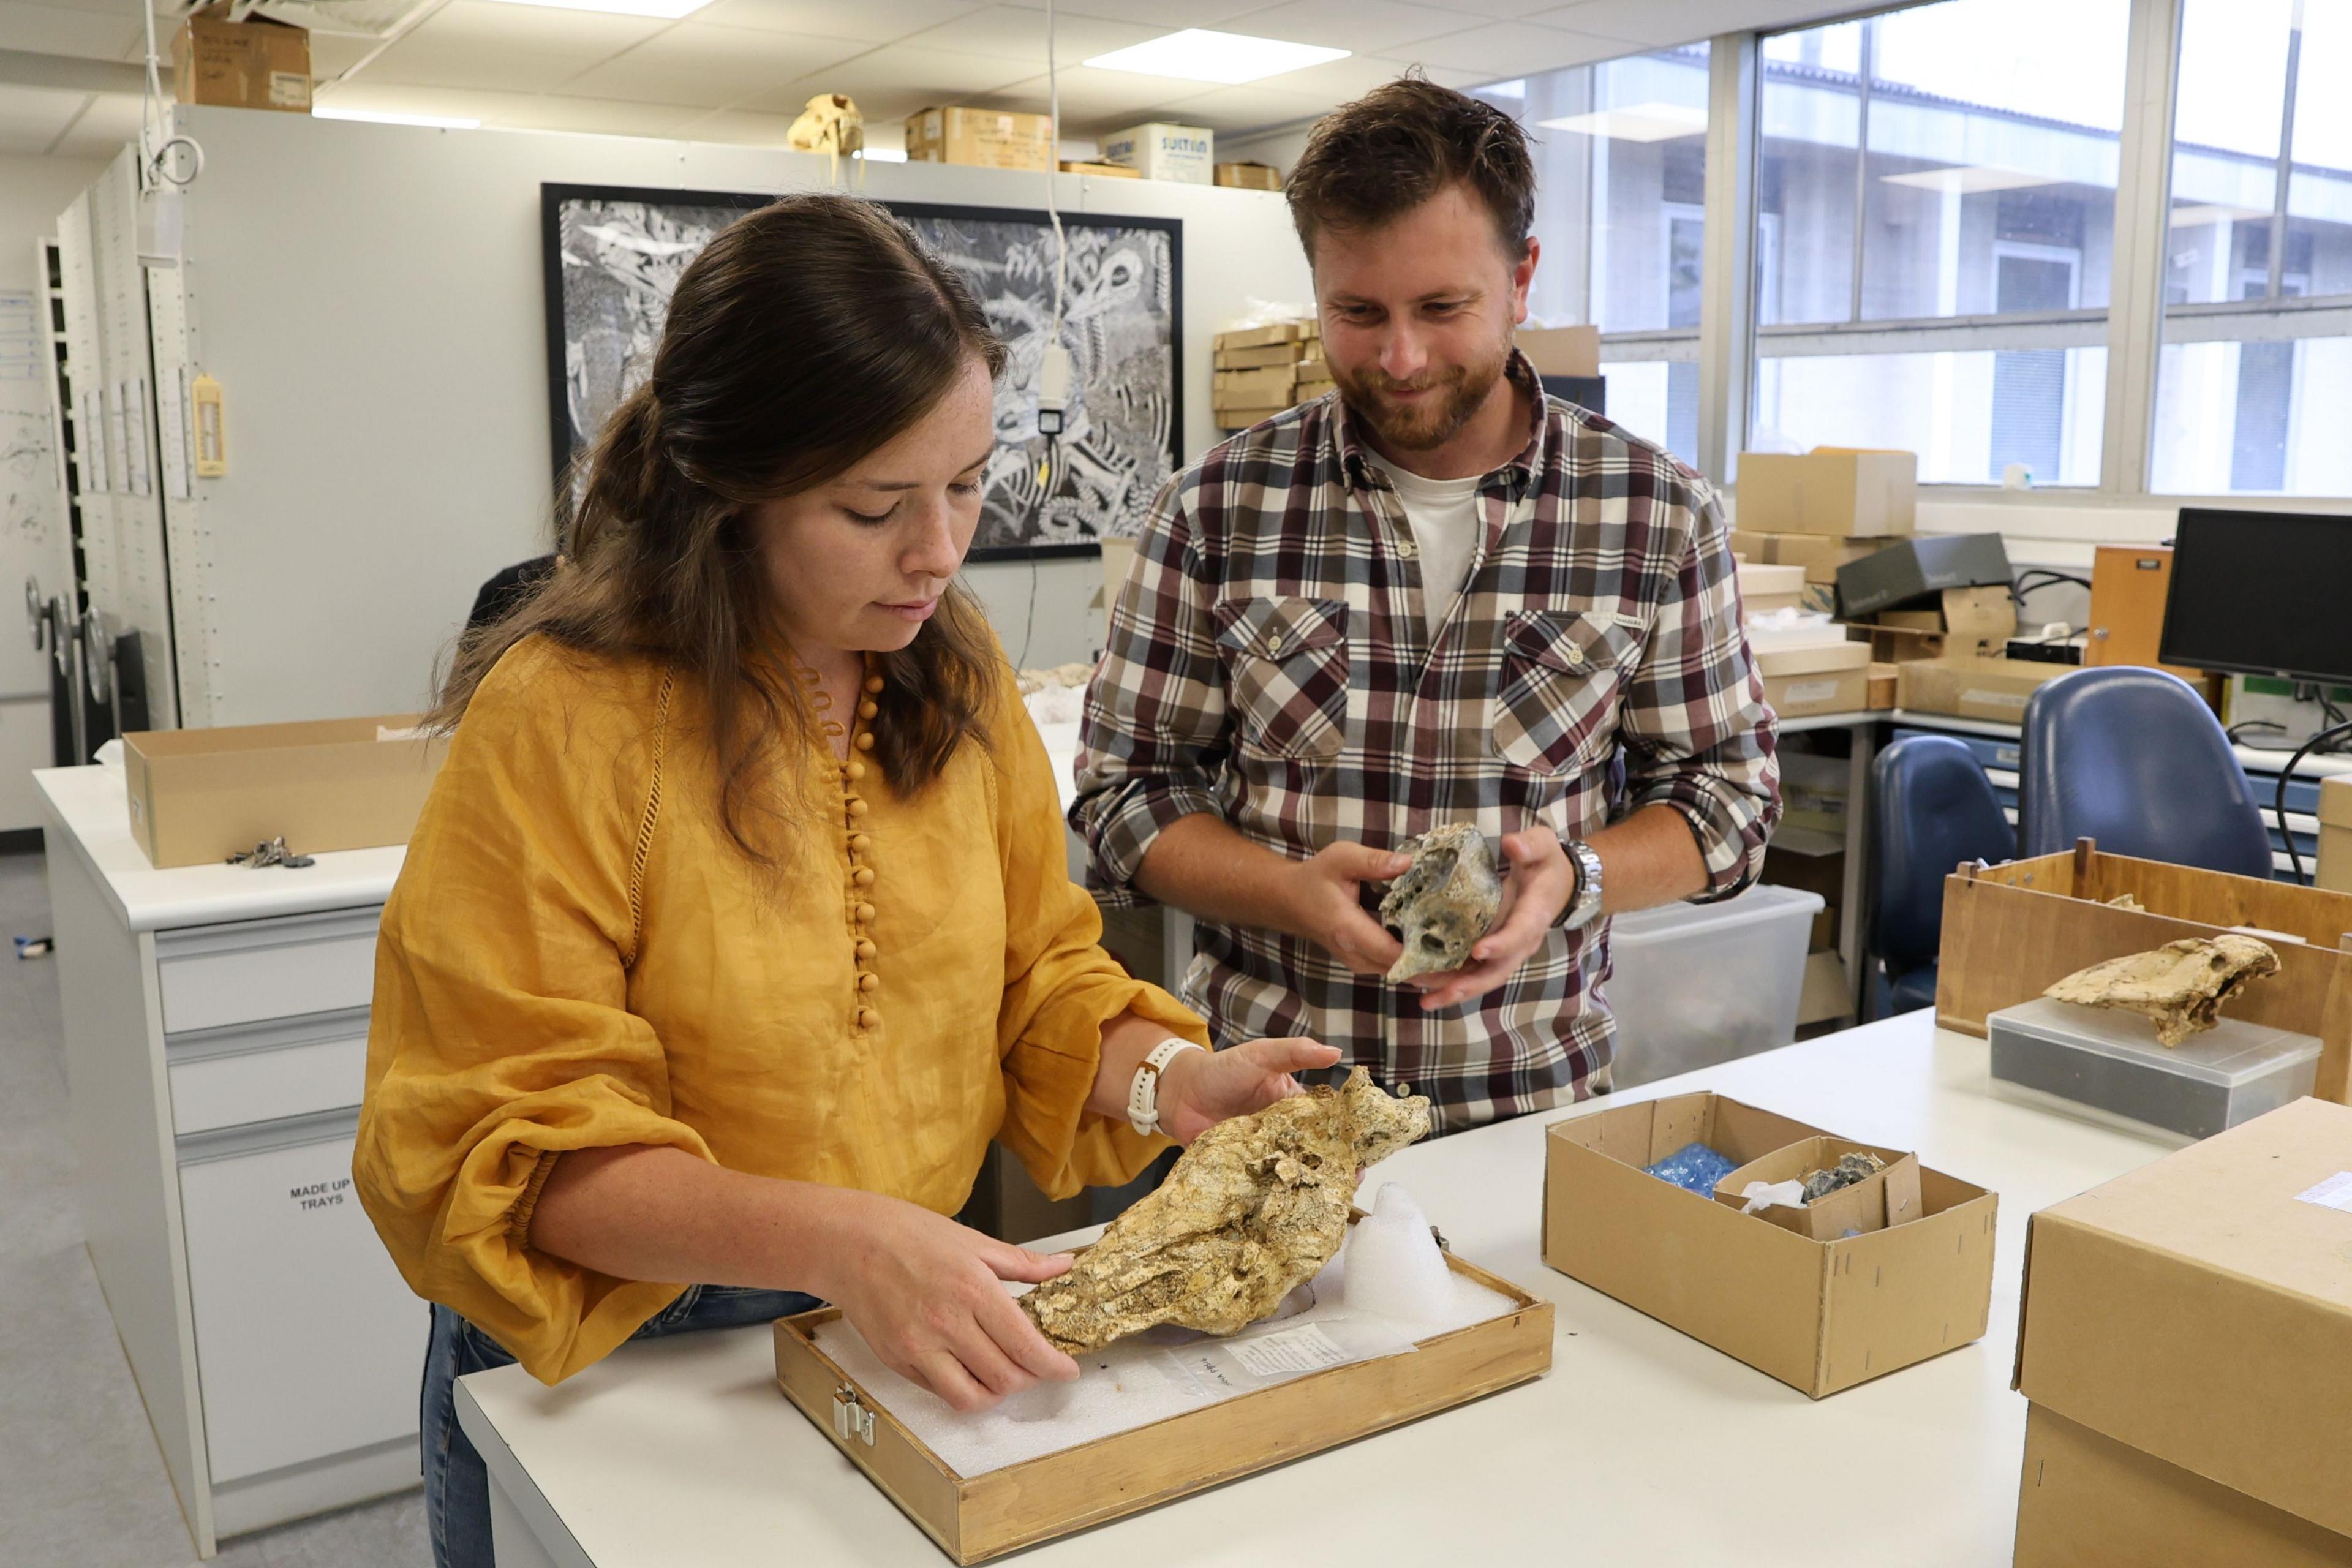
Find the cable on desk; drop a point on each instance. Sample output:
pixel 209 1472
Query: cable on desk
pixel 2294 857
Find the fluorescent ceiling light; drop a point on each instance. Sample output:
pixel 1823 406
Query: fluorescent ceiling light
pixel 1967 179
pixel 1658 121
pixel 1196 54
pixel 385 117
pixel 672 9
pixel 2197 216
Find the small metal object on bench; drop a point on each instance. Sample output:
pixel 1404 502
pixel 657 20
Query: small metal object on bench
pixel 272 852
pixel 850 1415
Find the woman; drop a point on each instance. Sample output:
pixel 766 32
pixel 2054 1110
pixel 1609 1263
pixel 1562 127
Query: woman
pixel 738 922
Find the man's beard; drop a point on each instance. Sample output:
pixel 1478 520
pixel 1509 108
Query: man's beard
pixel 1429 422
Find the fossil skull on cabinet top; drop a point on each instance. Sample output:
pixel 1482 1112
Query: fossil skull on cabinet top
pixel 1445 901
pixel 830 125
pixel 1254 1209
pixel 2179 987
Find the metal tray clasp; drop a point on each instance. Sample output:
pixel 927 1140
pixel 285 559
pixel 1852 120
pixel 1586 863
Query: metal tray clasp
pixel 851 1416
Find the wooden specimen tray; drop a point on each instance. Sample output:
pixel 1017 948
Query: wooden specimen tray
pixel 976 1518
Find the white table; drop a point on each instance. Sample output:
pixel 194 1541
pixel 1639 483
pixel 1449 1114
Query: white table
pixel 1642 1448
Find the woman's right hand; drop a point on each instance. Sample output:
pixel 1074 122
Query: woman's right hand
pixel 924 1292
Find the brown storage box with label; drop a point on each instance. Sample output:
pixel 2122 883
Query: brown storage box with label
pixel 1820 1315
pixel 253 64
pixel 1971 687
pixel 1828 678
pixel 973 1519
pixel 983 138
pixel 198 796
pixel 2198 1310
pixel 1843 492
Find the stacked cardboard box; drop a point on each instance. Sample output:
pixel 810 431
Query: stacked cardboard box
pixel 983 138
pixel 1249 176
pixel 1261 371
pixel 1823 509
pixel 2186 1343
pixel 257 63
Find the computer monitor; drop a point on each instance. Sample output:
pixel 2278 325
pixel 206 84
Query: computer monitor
pixel 2261 593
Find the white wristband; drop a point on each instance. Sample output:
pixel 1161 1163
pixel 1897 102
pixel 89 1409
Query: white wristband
pixel 1143 1093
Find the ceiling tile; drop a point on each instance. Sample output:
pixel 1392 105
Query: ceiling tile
pixel 511 48
pixel 712 68
pixel 1249 107
pixel 869 21
pixel 1094 101
pixel 332 54
pixel 892 83
pixel 1656 23
pixel 89 34
pixel 31 117
pixel 1163 16
pixel 1334 82
pixel 1367 26
pixel 1017 33
pixel 1512 48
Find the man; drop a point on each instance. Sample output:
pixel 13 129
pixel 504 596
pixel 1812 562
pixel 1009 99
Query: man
pixel 1432 597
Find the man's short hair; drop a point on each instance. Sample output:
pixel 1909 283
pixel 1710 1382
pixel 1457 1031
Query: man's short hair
pixel 1371 162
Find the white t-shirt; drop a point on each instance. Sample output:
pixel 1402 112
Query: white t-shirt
pixel 1447 529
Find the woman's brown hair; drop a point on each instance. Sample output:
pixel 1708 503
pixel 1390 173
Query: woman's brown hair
pixel 806 336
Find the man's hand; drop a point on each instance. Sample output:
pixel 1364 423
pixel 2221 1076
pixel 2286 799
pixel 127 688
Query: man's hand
pixel 1540 883
pixel 1200 1089
pixel 1322 904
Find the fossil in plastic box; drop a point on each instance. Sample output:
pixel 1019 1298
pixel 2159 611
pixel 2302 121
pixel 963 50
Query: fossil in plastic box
pixel 2179 987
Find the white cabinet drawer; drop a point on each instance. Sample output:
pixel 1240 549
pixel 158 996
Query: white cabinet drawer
pixel 246 971
pixel 266 1072
pixel 308 1340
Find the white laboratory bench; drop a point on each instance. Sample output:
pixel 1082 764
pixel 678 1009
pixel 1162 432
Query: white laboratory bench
pixel 216 1033
pixel 1642 1447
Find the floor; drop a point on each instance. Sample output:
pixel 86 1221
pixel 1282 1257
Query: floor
pixel 81 1482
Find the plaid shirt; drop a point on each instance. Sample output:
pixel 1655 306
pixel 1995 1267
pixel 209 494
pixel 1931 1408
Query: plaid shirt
pixel 1270 663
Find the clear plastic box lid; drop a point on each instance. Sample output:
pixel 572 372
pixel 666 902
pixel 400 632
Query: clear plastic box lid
pixel 1759 904
pixel 2230 1055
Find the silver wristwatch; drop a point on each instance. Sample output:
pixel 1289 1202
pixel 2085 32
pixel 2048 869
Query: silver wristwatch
pixel 1585 904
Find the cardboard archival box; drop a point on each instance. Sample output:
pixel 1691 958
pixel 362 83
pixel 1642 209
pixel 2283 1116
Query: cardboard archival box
pixel 1821 1316
pixel 198 796
pixel 1843 491
pixel 2335 834
pixel 1826 677
pixel 1561 351
pixel 1885 683
pixel 1100 171
pixel 983 138
pixel 254 64
pixel 2199 1310
pixel 1821 555
pixel 1263 337
pixel 1969 687
pixel 1242 388
pixel 1258 358
pixel 2087 1500
pixel 1249 176
pixel 1185 153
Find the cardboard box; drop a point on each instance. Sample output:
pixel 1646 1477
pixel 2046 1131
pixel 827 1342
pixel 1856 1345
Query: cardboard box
pixel 1827 994
pixel 253 64
pixel 1969 687
pixel 1258 358
pixel 1840 491
pixel 1820 1315
pixel 1889 1197
pixel 1100 171
pixel 1261 337
pixel 1248 176
pixel 1561 351
pixel 1159 151
pixel 1827 678
pixel 1243 388
pixel 1821 555
pixel 198 796
pixel 2199 1310
pixel 1918 569
pixel 1243 419
pixel 1756 578
pixel 2335 867
pixel 1885 683
pixel 983 138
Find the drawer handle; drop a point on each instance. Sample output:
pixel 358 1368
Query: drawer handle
pixel 850 1416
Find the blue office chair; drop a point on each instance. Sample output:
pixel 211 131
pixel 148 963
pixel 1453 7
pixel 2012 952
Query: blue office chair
pixel 1931 809
pixel 2134 759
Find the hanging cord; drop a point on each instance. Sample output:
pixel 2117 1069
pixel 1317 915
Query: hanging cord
pixel 154 162
pixel 2317 742
pixel 1054 172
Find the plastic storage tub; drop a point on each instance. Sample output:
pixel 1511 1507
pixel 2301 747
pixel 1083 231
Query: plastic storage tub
pixel 2106 1066
pixel 1697 984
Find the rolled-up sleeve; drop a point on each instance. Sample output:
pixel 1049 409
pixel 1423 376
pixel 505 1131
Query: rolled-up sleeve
pixel 1699 736
pixel 500 1035
pixel 1060 989
pixel 1155 732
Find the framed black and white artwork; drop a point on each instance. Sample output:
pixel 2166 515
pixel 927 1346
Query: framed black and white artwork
pixel 615 253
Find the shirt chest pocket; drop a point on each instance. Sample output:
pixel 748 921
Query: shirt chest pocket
pixel 1286 662
pixel 1563 672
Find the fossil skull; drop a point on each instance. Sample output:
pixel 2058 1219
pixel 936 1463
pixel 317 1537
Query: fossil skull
pixel 830 125
pixel 2179 987
pixel 1446 900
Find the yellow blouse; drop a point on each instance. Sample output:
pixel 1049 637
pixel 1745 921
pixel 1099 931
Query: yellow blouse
pixel 575 956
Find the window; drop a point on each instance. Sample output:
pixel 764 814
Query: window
pixel 2254 373
pixel 1935 200
pixel 1621 178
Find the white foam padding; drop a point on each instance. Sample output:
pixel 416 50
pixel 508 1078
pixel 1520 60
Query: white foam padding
pixel 1140 1381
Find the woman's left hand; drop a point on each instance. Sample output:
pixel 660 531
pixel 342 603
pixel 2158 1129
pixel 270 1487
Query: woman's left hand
pixel 1200 1089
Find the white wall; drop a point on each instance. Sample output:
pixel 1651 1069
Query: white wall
pixel 370 298
pixel 33 191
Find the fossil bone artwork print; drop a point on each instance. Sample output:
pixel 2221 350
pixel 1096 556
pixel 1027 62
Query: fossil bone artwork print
pixel 1445 901
pixel 2179 987
pixel 1254 1208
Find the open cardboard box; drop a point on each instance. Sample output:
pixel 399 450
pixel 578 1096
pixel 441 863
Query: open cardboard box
pixel 198 796
pixel 1819 1315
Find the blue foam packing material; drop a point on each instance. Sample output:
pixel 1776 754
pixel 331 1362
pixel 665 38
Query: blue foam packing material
pixel 1693 1167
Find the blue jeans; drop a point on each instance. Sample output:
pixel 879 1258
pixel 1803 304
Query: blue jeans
pixel 457 1487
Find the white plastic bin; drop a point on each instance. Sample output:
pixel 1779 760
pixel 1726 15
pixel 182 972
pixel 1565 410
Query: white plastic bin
pixel 1696 984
